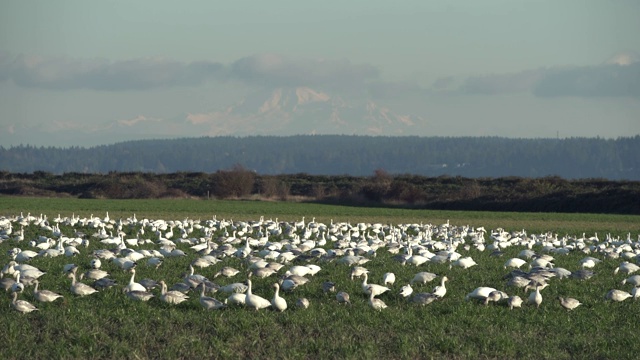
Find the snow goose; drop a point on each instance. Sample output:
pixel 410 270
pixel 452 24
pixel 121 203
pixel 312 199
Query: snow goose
pixel 464 263
pixel 627 268
pixel 423 298
pixel 328 286
pixel 406 291
pixel 423 277
pixel 236 299
pixel 17 286
pixel 278 303
pixel 22 305
pixel 514 263
pixel 617 295
pixel 44 295
pixel 209 303
pixel 172 296
pixel 633 280
pixel 227 272
pixel 376 304
pixel 479 293
pixel 535 297
pixel 93 274
pixel 495 296
pixel 569 303
pixel 343 298
pixel 388 279
pixel 254 301
pixel 79 288
pixel 358 271
pixel 441 290
pixel 133 286
pixel 514 302
pixel 374 289
pixel 303 303
pixel 139 295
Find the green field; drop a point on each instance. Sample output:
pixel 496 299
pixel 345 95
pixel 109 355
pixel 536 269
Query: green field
pixel 109 325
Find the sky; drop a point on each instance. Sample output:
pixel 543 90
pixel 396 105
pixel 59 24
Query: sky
pixel 85 73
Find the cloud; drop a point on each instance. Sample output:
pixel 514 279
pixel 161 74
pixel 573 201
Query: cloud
pixel 617 78
pixel 390 90
pixel 609 80
pixel 492 84
pixel 97 74
pixel 274 70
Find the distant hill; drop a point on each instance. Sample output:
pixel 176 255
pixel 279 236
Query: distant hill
pixel 473 157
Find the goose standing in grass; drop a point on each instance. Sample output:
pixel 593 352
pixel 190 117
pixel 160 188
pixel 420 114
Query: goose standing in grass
pixel 343 298
pixel 209 303
pixel 535 297
pixel 423 277
pixel 479 293
pixel 278 303
pixel 227 272
pixel 302 303
pixel 328 286
pixel 139 295
pixel 423 298
pixel 495 296
pixel 236 299
pixel 633 280
pixel 254 301
pixel 133 286
pixel 375 289
pixel 388 279
pixel 172 296
pixel 44 295
pixel 464 263
pixel 514 263
pixel 79 288
pixel 627 268
pixel 17 286
pixel 406 291
pixel 22 306
pixel 569 303
pixel 514 302
pixel 441 290
pixel 93 274
pixel 6 283
pixel 358 271
pixel 377 304
pixel 617 295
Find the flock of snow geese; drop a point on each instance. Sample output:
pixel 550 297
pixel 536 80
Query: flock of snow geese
pixel 290 252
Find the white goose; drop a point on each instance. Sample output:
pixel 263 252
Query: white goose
pixel 388 278
pixel 535 297
pixel 79 288
pixel 374 289
pixel 569 303
pixel 441 290
pixel 22 305
pixel 254 301
pixel 209 303
pixel 172 296
pixel 134 286
pixel 278 302
pixel 617 295
pixel 377 304
pixel 44 295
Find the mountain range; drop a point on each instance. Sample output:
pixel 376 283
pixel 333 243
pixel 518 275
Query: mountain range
pixel 276 111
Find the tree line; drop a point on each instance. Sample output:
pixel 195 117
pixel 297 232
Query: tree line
pixel 469 157
pixel 545 194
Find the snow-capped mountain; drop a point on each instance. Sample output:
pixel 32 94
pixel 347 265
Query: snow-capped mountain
pixel 279 111
pixel 302 110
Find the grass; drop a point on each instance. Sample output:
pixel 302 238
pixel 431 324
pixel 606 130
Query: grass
pixel 109 325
